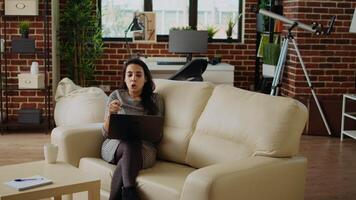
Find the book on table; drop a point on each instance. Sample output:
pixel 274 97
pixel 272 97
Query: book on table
pixel 28 182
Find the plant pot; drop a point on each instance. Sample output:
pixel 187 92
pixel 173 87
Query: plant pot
pixel 210 39
pixel 229 39
pixel 23 45
pixel 268 70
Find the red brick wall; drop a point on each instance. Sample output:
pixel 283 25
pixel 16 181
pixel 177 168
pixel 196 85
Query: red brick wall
pixel 242 56
pixel 330 60
pixel 20 63
pixel 109 68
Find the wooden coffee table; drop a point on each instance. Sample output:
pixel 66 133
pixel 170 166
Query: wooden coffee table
pixel 66 180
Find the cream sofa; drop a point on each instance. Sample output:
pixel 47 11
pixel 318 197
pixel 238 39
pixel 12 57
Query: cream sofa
pixel 220 143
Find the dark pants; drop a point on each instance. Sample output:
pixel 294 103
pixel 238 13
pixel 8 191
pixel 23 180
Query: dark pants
pixel 129 162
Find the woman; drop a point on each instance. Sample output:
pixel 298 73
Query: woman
pixel 136 98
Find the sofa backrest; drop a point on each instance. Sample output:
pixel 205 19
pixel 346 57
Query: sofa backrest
pixel 237 123
pixel 184 103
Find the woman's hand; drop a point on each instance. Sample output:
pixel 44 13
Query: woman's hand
pixel 114 106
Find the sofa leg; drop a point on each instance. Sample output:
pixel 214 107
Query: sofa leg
pixel 130 193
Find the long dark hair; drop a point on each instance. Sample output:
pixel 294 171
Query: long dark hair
pixel 148 88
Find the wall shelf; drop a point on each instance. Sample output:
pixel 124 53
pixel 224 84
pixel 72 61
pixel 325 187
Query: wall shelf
pixel 345 114
pixel 7 85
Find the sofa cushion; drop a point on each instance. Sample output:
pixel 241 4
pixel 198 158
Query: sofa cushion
pixel 88 103
pixel 237 123
pixel 184 102
pixel 163 181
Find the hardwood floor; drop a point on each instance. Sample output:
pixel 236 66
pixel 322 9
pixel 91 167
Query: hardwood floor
pixel 22 147
pixel 331 173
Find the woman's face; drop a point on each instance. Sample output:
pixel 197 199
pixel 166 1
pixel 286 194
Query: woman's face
pixel 135 78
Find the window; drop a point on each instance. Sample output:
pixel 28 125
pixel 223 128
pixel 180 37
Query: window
pixel 117 15
pixel 172 13
pixel 216 14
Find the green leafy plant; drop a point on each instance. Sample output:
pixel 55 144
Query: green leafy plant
pixel 271 53
pixel 80 40
pixel 24 28
pixel 230 26
pixel 212 31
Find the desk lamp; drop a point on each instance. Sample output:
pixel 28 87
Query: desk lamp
pixel 134 26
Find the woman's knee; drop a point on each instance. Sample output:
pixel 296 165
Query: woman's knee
pixel 129 146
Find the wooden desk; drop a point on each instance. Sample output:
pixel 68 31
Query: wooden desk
pixel 222 73
pixel 66 180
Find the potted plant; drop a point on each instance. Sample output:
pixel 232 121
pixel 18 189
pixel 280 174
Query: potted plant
pixel 24 28
pixel 80 40
pixel 230 26
pixel 271 53
pixel 211 32
pixel 23 44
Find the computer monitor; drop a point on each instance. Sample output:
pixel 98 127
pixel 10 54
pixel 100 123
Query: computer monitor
pixel 188 41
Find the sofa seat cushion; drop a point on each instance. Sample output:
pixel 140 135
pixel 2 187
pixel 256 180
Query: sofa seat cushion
pixel 163 181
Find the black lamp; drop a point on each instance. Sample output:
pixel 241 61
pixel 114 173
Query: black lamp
pixel 135 25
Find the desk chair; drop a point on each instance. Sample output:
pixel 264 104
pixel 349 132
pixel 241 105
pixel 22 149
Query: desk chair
pixel 191 71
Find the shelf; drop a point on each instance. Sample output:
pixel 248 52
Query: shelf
pixel 15 87
pixel 350 96
pixel 350 133
pixel 14 125
pixel 16 47
pixel 24 53
pixel 351 115
pixel 346 113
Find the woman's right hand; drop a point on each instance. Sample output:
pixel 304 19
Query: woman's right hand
pixel 114 106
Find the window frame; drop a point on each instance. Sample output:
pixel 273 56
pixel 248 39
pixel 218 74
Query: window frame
pixel 193 21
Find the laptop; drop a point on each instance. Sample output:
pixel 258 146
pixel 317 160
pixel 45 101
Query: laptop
pixel 134 127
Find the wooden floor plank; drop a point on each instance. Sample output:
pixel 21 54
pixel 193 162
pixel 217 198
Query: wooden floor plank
pixel 331 173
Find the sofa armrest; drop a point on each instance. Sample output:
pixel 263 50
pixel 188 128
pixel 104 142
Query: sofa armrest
pixel 77 141
pixel 254 179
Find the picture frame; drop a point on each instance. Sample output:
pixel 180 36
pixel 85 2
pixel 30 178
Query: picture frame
pixel 148 22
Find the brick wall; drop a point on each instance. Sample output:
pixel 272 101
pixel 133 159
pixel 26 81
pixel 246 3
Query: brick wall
pixel 20 63
pixel 330 61
pixel 242 56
